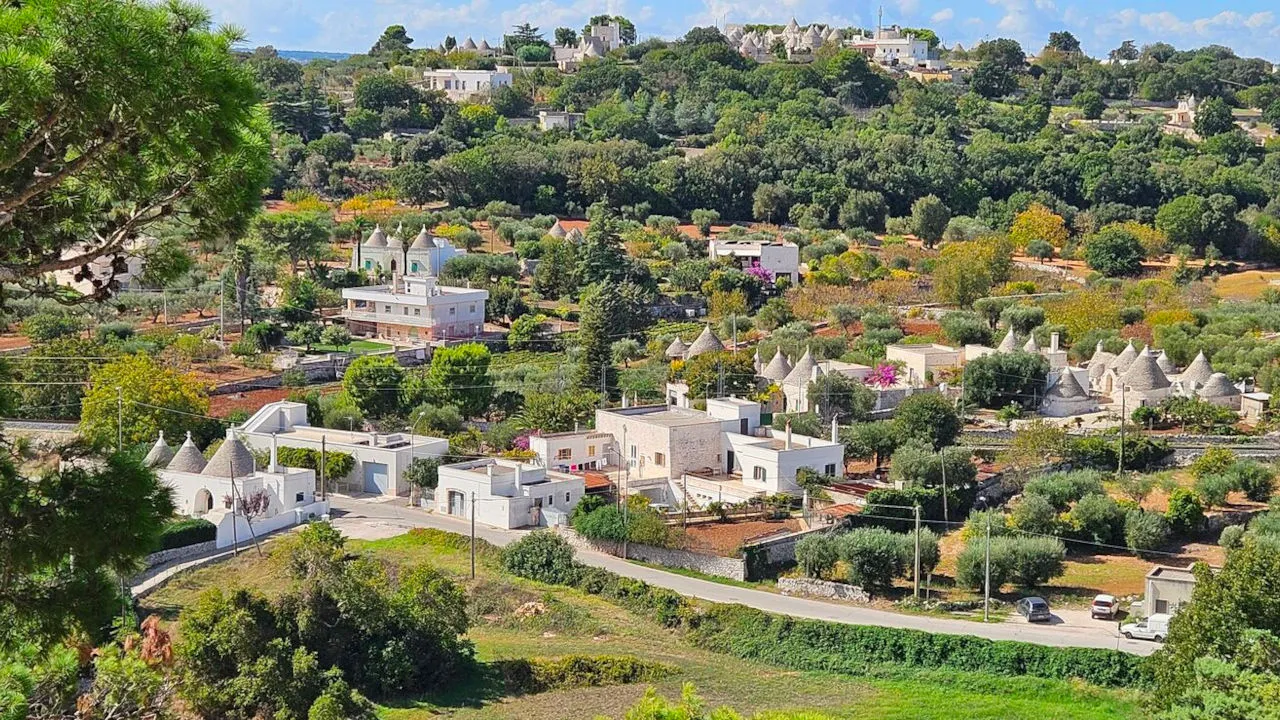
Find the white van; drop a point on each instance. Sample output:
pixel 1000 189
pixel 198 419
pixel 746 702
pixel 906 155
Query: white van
pixel 1155 628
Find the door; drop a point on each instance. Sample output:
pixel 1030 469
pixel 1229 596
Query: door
pixel 456 503
pixel 728 462
pixel 376 479
pixel 742 426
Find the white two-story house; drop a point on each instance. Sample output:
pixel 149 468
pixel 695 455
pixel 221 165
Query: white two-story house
pixel 780 258
pixel 459 85
pixel 507 493
pixel 415 310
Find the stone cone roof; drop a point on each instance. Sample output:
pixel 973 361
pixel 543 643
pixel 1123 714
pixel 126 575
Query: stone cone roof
pixel 1009 343
pixel 484 45
pixel 1126 357
pixel 231 455
pixel 1218 386
pixel 778 368
pixel 469 44
pixel 677 349
pixel 1031 345
pixel 1144 374
pixel 1199 370
pixel 706 342
pixel 394 240
pixel 160 453
pixel 377 238
pixel 557 230
pixel 792 26
pixel 804 371
pixel 1165 363
pixel 422 241
pixel 1067 387
pixel 575 235
pixel 188 458
pixel 1098 363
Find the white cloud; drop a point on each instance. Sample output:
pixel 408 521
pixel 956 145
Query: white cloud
pixel 943 15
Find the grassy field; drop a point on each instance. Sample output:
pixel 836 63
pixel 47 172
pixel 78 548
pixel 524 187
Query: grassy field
pixel 574 623
pixel 1246 285
pixel 358 347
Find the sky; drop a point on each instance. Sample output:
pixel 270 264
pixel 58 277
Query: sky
pixel 1251 27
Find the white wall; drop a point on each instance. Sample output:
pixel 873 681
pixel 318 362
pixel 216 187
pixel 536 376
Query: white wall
pixel 584 450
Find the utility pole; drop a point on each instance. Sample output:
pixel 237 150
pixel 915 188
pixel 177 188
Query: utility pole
pixel 473 534
pixel 1123 400
pixel 986 583
pixel 222 307
pixel 164 298
pixel 916 574
pixel 942 457
pixel 119 419
pixel 322 459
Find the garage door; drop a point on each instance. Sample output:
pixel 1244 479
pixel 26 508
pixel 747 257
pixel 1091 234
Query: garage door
pixel 375 478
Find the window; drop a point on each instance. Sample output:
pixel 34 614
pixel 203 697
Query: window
pixel 633 452
pixel 591 450
pixel 473 307
pixel 404 310
pixel 759 473
pixel 386 308
pixel 659 459
pixel 453 311
pixel 417 312
pixel 298 497
pixel 564 454
pixel 566 498
pixel 551 499
pixel 831 469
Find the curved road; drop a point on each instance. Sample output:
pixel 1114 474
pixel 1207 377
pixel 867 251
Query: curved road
pixel 369 519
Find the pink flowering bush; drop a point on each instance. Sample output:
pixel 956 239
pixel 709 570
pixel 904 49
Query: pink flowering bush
pixel 883 376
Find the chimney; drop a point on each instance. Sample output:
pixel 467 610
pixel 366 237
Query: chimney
pixel 519 465
pixel 373 439
pixel 275 465
pixel 1053 342
pixel 787 445
pixel 624 401
pixel 488 469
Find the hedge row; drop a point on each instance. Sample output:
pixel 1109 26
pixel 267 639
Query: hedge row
pixel 182 533
pixel 812 644
pixel 535 675
pixel 834 647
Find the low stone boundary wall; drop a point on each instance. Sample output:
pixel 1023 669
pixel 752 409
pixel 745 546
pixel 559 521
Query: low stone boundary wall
pixel 179 553
pixel 732 568
pixel 808 587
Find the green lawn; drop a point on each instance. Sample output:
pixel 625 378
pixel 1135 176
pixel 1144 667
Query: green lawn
pixel 575 623
pixel 359 347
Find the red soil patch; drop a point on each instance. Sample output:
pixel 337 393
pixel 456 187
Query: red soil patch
pixel 724 538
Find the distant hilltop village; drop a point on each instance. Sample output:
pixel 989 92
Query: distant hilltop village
pixel 891 46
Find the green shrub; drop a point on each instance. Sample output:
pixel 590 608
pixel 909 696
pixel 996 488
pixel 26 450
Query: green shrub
pixel 873 557
pixel 604 523
pixel 1214 489
pixel 1185 513
pixel 542 556
pixel 1063 488
pixel 1231 536
pixel 182 533
pixel 535 675
pixel 1098 517
pixel 1267 523
pixel 1258 481
pixel 976 524
pixel 1145 530
pixel 337 465
pixel 1035 514
pixel 1214 461
pixel 817 553
pixel 1025 561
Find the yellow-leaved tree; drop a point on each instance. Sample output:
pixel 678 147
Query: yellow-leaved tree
pixel 1038 222
pixel 150 398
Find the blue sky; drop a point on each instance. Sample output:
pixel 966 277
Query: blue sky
pixel 1252 27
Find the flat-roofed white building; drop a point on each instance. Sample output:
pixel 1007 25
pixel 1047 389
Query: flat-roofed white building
pixel 380 458
pixel 507 493
pixel 573 451
pixel 415 310
pixel 923 362
pixel 779 257
pixel 458 84
pixel 723 453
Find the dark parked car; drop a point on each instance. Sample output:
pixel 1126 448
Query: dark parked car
pixel 1034 609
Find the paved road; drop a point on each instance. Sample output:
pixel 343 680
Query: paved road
pixel 372 519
